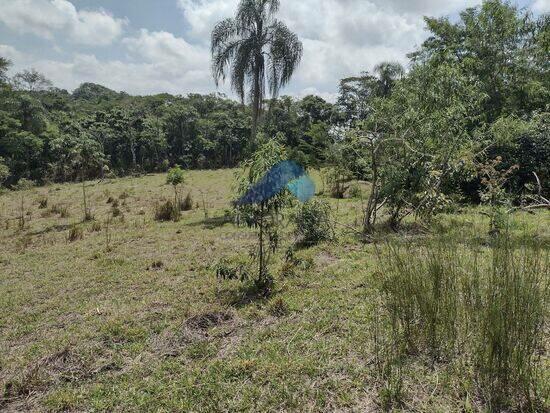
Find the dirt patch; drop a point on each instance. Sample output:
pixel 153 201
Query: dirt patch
pixel 324 259
pixel 205 321
pixel 195 329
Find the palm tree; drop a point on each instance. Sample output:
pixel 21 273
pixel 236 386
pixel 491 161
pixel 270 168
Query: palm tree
pixel 254 47
pixel 388 73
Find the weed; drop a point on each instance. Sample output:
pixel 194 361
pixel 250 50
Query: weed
pixel 166 212
pixel 61 210
pixel 278 308
pixel 227 270
pixel 96 227
pixel 314 222
pixel 355 191
pixel 156 265
pixel 75 233
pixel 116 212
pixel 187 203
pixel 43 203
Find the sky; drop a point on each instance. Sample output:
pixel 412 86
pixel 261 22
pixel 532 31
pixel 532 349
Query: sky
pixel 154 46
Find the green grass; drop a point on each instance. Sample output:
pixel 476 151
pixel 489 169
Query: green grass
pixel 132 317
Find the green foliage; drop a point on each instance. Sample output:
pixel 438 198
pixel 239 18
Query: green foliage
pixel 4 171
pixel 232 269
pixel 314 222
pixel 175 177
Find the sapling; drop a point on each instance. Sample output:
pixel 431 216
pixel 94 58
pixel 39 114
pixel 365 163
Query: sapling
pixel 175 178
pixel 264 215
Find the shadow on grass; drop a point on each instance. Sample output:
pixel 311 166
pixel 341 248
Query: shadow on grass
pixel 211 223
pixel 244 293
pixel 56 228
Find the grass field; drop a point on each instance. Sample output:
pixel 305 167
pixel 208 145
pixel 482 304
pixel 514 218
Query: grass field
pixel 128 315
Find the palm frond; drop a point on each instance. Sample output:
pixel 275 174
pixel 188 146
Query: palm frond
pixel 285 54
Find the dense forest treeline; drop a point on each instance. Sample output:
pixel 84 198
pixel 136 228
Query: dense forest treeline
pixel 477 90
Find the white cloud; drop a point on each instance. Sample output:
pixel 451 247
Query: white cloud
pixel 430 7
pixel 45 18
pixel 202 15
pixel 148 76
pixel 340 37
pixel 164 47
pixel 541 6
pixel 11 53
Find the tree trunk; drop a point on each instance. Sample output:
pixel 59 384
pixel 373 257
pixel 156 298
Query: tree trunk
pixel 261 253
pixel 372 205
pixel 87 213
pixel 256 100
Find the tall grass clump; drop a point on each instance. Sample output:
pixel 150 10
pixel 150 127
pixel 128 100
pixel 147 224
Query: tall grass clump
pixel 510 324
pixel 420 288
pixel 314 222
pixel 487 309
pixel 166 211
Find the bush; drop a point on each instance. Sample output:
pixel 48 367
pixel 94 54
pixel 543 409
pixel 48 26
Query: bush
pixel 314 223
pixel 355 191
pixel 43 203
pixel 166 212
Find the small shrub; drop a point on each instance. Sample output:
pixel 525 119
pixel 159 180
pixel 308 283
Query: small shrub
pixel 278 308
pixel 116 212
pixel 43 203
pixel 227 270
pixel 337 180
pixel 156 265
pixel 314 223
pixel 166 212
pixel 187 203
pixel 293 264
pixel 24 184
pixel 60 209
pixel 164 165
pixel 355 191
pixel 96 227
pixel 75 233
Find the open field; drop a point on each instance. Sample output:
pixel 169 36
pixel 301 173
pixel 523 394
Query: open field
pixel 129 315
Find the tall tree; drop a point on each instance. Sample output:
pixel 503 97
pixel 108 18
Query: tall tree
pixel 254 47
pixel 31 81
pixel 4 66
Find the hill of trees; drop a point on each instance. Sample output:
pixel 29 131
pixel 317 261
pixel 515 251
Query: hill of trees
pixel 476 90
